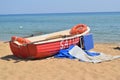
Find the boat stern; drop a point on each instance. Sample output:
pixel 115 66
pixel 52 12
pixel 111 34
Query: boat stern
pixel 18 50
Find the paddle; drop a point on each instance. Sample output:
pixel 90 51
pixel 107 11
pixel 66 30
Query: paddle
pixel 27 36
pixel 50 38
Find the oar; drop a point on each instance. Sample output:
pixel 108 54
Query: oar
pixel 27 36
pixel 50 38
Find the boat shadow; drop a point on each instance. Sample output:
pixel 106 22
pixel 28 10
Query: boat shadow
pixel 16 59
pixel 13 58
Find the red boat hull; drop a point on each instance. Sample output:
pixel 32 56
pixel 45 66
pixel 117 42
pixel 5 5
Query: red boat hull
pixel 34 51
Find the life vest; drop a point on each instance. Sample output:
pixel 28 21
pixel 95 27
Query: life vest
pixel 20 40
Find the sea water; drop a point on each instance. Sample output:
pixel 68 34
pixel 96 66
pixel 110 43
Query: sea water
pixel 105 26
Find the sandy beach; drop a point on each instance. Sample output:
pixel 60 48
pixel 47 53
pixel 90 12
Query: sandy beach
pixel 12 68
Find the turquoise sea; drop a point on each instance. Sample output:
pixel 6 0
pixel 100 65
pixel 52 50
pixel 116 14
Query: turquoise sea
pixel 105 26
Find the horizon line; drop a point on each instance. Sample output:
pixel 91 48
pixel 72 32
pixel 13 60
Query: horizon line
pixel 58 13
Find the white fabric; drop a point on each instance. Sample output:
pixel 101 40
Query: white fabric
pixel 80 54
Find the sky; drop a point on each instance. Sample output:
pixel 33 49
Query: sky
pixel 57 6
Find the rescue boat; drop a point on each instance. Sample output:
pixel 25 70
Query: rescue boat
pixel 46 45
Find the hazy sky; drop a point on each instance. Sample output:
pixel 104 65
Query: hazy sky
pixel 57 6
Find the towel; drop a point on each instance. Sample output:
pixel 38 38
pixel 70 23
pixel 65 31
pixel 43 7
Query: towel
pixel 80 54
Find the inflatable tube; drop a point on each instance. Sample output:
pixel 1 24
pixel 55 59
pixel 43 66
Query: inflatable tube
pixel 78 29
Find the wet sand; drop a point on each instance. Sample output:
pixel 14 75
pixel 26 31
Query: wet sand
pixel 13 68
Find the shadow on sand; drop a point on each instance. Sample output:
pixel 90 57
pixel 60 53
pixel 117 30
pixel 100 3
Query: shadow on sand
pixel 12 57
pixel 16 59
pixel 117 48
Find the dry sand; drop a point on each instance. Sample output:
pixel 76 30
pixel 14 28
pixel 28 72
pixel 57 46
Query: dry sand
pixel 12 68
